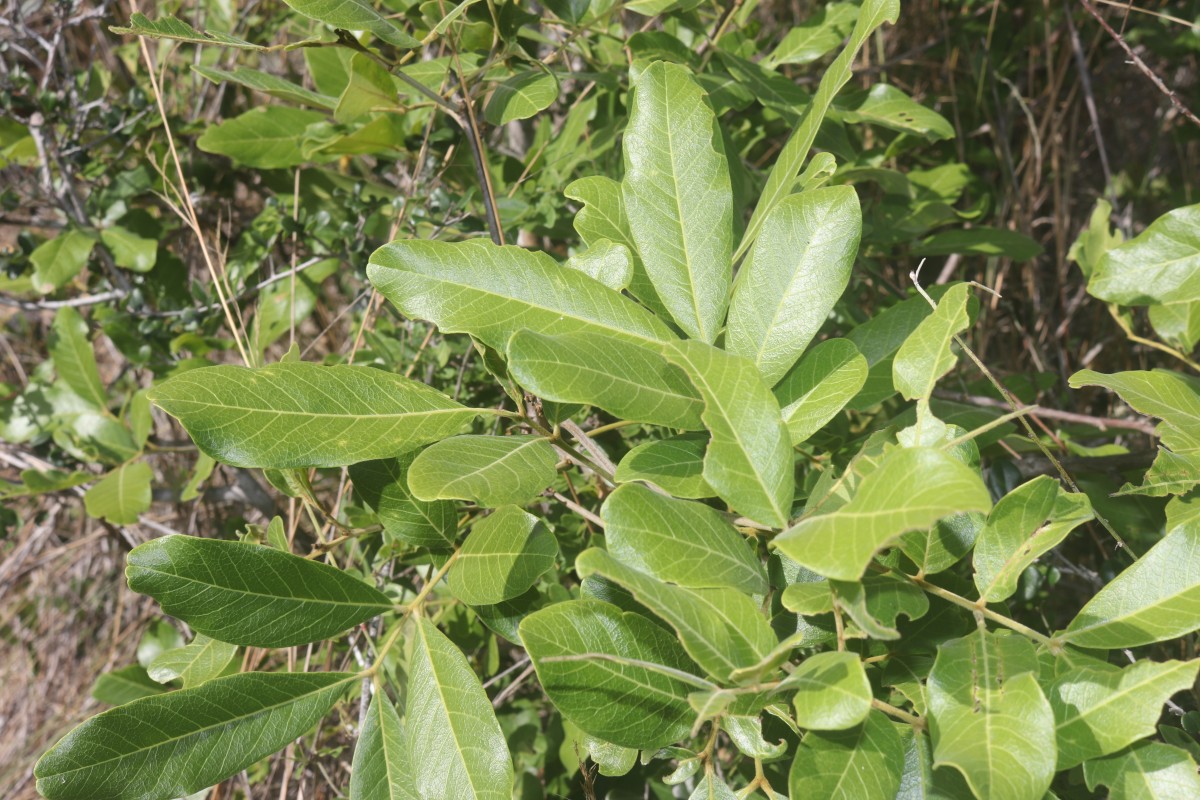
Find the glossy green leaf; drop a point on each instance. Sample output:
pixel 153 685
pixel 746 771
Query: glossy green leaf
pixel 130 251
pixel 383 485
pixel 875 603
pixel 453 743
pixel 925 355
pixel 1025 523
pixel 606 261
pixel 819 34
pixel 1171 473
pixel 889 107
pixel 121 495
pixel 1146 771
pixel 1173 397
pixel 679 541
pixel 832 692
pixel 248 594
pixel 1100 709
pixel 74 358
pixel 678 198
pixel 819 386
pixel 796 271
pixel 861 763
pixel 1178 324
pixel 522 96
pixel 940 547
pixel 591 660
pixel 628 381
pixel 354 15
pixel 268 84
pixel 675 464
pixel 121 686
pixel 912 488
pixel 193 664
pixel 169 27
pixel 505 553
pixel 295 415
pixel 267 137
pixel 378 769
pixel 746 733
pixel 171 745
pixel 879 338
pixel 1155 599
pixel 488 470
pixel 721 629
pixel 1160 265
pixel 491 292
pixel 989 718
pixel 60 259
pixel 749 460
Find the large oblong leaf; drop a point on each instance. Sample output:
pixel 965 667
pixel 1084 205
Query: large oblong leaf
pixel 489 470
pixel 796 271
pixel 861 763
pixel 378 769
pixel 503 556
pixel 925 355
pixel 299 415
pixel 491 292
pixel 1146 771
pixel 819 385
pixel 74 358
pixel 267 137
pixel 678 198
pixel 454 747
pixel 249 594
pixel 1160 265
pixel 174 744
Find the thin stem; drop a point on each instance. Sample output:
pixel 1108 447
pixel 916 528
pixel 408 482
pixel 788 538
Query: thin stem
pixel 612 426
pixel 980 607
pixel 903 716
pixel 996 423
pixel 415 605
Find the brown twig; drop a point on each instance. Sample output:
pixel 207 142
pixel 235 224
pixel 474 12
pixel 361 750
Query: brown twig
pixel 1103 423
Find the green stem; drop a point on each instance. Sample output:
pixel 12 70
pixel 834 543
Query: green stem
pixel 980 607
pixel 415 605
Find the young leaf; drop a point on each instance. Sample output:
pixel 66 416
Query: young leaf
pixel 925 355
pixel 267 137
pixel 121 686
pixel 628 381
pixel 1025 523
pixel 832 691
pixel 383 485
pixel 796 271
pixel 1155 599
pixel 1100 709
pixel 248 594
pixel 1160 265
pixel 749 460
pixel 169 27
pixel 491 292
pixel 989 718
pixel 594 663
pixel 453 743
pixel 1146 771
pixel 606 261
pixel 722 629
pixel 58 260
pixel 489 470
pixel 678 197
pixel 354 15
pixel 912 488
pixel 505 553
pixel 1171 396
pixel 675 464
pixel 121 495
pixel 170 745
pixel 679 541
pixel 194 664
pixel 861 763
pixel 889 107
pixel 378 769
pixel 819 386
pixel 521 96
pixel 74 359
pixel 297 415
pixel 710 787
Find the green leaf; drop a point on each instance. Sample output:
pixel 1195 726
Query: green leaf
pixel 378 769
pixel 488 470
pixel 121 495
pixel 941 546
pixel 710 787
pixel 60 259
pixel 453 743
pixel 722 629
pixel 522 96
pixel 368 87
pixel 1025 523
pixel 875 603
pixel 74 358
pixel 1171 473
pixel 297 415
pixel 354 15
pixel 129 250
pixel 173 744
pixel 628 381
pixel 832 691
pixel 872 14
pixel 1178 324
pixel 1100 708
pixel 267 137
pixel 925 355
pixel 268 84
pixel 1155 599
pixel 169 27
pixel 749 460
pixel 195 663
pixel 675 464
pixel 862 763
pixel 248 594
pixel 912 488
pixel 989 718
pixel 1160 265
pixel 819 386
pixel 383 485
pixel 503 556
pixel 980 240
pixel 816 36
pixel 125 685
pixel 879 338
pixel 591 659
pixel 491 292
pixel 889 107
pixel 678 197
pixel 679 541
pixel 796 271
pixel 1146 771
pixel 1171 396
pixel 606 261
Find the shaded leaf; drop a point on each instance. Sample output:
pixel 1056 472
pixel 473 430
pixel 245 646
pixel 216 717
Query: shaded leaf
pixel 489 470
pixel 268 84
pixel 122 495
pixel 193 664
pixel 505 553
pixel 521 96
pixel 354 15
pixel 675 464
pixel 74 358
pixel 383 485
pixel 124 685
pixel 925 355
pixel 819 386
pixel 979 240
pixel 861 763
